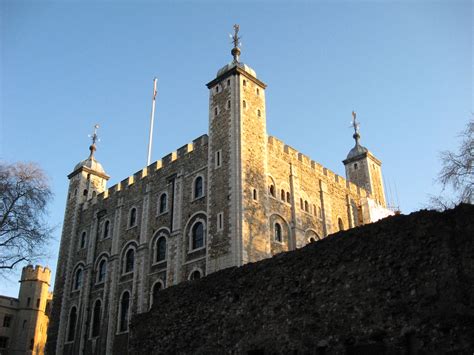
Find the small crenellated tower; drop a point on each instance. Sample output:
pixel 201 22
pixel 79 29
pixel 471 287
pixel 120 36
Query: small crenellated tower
pixel 364 169
pixel 33 311
pixel 87 180
pixel 237 166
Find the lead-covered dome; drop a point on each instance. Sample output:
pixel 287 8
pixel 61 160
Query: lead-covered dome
pixel 91 164
pixel 231 65
pixel 356 151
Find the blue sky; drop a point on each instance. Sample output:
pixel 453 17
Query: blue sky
pixel 404 66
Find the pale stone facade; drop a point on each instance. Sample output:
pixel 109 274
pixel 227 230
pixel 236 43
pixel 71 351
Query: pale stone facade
pixel 231 197
pixel 24 320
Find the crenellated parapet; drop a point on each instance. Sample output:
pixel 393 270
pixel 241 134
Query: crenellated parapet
pixel 293 156
pixel 37 273
pixel 150 171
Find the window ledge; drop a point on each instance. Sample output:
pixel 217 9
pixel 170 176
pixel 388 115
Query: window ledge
pixel 198 198
pixel 190 251
pixel 162 213
pixel 155 263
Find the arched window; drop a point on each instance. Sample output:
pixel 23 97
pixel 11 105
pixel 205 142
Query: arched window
pixel 259 114
pixel 288 199
pixel 163 203
pixel 106 229
pixel 124 312
pixel 157 287
pixel 160 249
pixel 133 217
pixel 282 195
pixel 254 194
pixel 340 223
pixel 245 104
pixel 306 206
pixel 301 204
pixel 83 240
pixel 78 279
pixel 72 324
pixel 245 82
pixel 129 261
pixel 278 237
pixel 312 236
pixel 97 310
pixel 195 275
pixel 101 271
pixel 198 187
pixel 197 236
pixel 272 190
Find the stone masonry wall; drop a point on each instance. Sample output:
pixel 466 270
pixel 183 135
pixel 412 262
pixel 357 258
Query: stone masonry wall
pixel 404 285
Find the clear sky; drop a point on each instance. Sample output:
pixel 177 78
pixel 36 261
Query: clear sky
pixel 404 66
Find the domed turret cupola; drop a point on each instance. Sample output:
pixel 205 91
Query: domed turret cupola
pixel 88 177
pixel 363 168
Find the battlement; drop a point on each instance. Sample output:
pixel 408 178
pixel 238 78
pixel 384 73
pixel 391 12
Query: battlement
pixel 151 169
pixel 305 160
pixel 37 273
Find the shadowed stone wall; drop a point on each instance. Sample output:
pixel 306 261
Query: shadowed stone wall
pixel 404 285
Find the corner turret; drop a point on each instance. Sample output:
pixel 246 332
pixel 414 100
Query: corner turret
pixel 363 168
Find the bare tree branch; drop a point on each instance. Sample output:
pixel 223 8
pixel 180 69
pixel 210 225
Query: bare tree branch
pixel 24 231
pixel 457 172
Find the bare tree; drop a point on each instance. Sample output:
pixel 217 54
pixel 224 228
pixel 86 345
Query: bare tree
pixel 457 171
pixel 24 194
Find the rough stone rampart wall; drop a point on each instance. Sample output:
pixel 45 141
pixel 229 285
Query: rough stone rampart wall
pixel 404 285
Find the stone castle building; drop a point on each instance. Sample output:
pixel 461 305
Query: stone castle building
pixel 233 196
pixel 24 320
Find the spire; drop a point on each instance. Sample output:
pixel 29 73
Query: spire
pixel 356 125
pixel 236 40
pixel 95 138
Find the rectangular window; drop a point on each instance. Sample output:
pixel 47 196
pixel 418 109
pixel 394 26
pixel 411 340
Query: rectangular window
pixel 218 160
pixel 38 302
pixel 220 221
pixel 3 342
pixel 28 302
pixel 7 320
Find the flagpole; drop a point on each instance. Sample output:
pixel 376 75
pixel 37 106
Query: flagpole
pixel 152 119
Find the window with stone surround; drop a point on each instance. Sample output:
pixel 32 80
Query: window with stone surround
pixel 220 221
pixel 195 275
pixel 156 288
pixel 218 159
pixel 355 166
pixel 7 320
pixel 282 195
pixel 129 260
pixel 258 91
pixel 96 316
pixel 78 276
pixel 198 187
pixel 106 233
pixel 288 197
pixel 160 248
pixel 101 270
pixel 244 104
pixel 163 203
pixel 254 194
pixel 228 104
pixel 3 342
pixel 83 240
pixel 228 82
pixel 278 236
pixel 124 313
pixel 340 223
pixel 132 219
pixel 259 113
pixel 301 204
pixel 197 236
pixel 306 206
pixel 271 190
pixel 71 329
pixel 244 83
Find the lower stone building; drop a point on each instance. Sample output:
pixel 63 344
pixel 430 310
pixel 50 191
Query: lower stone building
pixel 232 196
pixel 24 320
